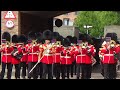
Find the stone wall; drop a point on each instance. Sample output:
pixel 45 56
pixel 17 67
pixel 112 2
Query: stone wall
pixel 112 29
pixel 67 30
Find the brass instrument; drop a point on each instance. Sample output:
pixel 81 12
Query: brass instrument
pixel 112 44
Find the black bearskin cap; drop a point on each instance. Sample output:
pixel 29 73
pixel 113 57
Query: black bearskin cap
pixel 47 35
pixel 15 39
pixel 7 36
pixel 22 38
pixel 70 38
pixel 55 35
pixel 74 40
pixel 39 37
pixel 32 35
pixel 66 42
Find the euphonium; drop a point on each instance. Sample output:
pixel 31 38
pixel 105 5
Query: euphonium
pixel 112 44
pixel 34 42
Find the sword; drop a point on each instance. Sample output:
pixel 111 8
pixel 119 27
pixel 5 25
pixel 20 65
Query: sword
pixel 36 64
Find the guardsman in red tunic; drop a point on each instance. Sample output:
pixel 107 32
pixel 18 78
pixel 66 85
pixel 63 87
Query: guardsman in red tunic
pixel 89 60
pixel 47 55
pixel 6 56
pixel 67 57
pixel 62 62
pixel 23 40
pixel 57 53
pixel 80 52
pixel 15 61
pixel 33 50
pixel 73 57
pixel 109 59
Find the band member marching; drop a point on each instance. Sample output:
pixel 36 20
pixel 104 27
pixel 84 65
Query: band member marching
pixel 56 57
pixel 109 60
pixel 67 57
pixel 15 61
pixel 89 60
pixel 73 46
pixel 33 50
pixel 40 42
pixel 22 39
pixel 6 50
pixel 47 55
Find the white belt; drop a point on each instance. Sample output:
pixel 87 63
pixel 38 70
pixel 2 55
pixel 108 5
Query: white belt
pixel 33 53
pixel 81 55
pixel 48 54
pixel 108 55
pixel 6 54
pixel 57 53
pixel 67 57
pixel 25 54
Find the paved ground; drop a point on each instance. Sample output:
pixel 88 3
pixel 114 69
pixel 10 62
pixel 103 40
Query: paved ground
pixel 95 74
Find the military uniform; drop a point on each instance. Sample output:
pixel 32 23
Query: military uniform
pixel 109 62
pixel 6 60
pixel 56 61
pixel 6 57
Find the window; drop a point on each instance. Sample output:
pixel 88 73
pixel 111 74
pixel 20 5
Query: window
pixel 66 21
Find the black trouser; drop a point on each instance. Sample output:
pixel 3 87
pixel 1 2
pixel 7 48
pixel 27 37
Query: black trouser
pixel 56 70
pixel 88 70
pixel 17 70
pixel 34 72
pixel 73 68
pixel 9 70
pixel 63 70
pixel 102 69
pixel 82 68
pixel 109 71
pixel 24 66
pixel 47 69
pixel 40 69
pixel 68 70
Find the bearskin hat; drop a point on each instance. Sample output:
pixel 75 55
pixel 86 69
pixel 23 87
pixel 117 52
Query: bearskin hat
pixel 47 35
pixel 55 35
pixel 74 40
pixel 6 36
pixel 32 35
pixel 66 42
pixel 22 38
pixel 70 38
pixel 15 39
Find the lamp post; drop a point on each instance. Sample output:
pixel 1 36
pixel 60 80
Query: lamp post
pixel 87 27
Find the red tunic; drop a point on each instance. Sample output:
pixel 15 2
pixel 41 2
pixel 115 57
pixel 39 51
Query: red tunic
pixel 56 56
pixel 6 57
pixel 47 58
pixel 14 60
pixel 33 53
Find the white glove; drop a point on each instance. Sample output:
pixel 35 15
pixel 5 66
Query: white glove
pixel 48 51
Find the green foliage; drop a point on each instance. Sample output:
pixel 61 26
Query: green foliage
pixel 97 19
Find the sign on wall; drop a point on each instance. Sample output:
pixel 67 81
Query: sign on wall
pixel 9 15
pixel 9 24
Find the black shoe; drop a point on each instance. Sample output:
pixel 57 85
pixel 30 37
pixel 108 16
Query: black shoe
pixel 77 77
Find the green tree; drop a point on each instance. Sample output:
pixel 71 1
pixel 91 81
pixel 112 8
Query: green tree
pixel 97 19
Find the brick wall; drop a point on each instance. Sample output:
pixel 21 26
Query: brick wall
pixel 15 29
pixel 111 29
